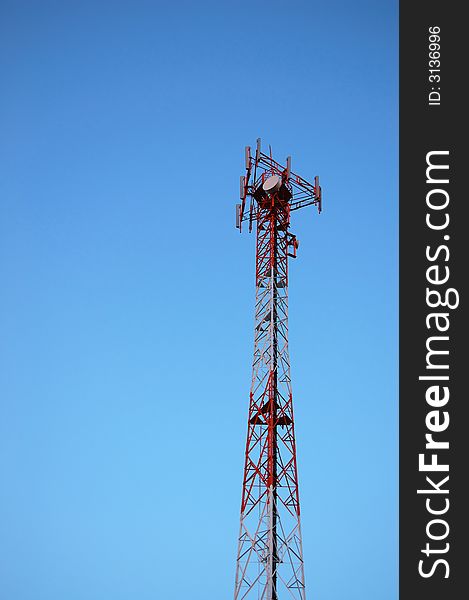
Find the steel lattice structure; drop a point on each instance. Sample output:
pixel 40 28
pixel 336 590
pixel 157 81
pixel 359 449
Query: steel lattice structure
pixel 270 557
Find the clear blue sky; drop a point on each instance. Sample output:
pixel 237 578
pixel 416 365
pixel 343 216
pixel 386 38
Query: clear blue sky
pixel 127 294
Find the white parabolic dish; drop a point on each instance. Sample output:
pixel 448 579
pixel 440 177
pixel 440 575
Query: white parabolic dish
pixel 272 184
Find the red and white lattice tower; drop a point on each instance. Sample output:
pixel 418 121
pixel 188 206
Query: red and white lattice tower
pixel 270 555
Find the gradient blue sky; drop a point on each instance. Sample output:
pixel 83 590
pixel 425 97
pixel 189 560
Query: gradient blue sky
pixel 126 304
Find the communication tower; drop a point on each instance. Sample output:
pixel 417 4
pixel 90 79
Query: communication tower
pixel 270 555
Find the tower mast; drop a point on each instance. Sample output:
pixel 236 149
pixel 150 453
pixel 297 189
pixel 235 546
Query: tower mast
pixel 270 556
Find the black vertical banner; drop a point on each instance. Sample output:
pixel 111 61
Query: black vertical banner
pixel 434 239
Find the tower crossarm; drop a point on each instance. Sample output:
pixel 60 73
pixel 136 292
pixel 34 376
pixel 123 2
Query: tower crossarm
pixel 259 168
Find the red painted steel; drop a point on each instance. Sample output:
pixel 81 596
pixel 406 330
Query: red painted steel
pixel 270 557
